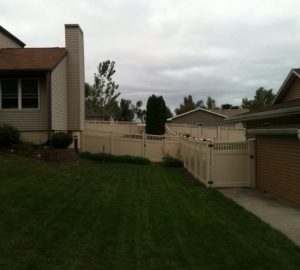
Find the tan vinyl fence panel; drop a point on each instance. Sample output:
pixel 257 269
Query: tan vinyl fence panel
pixel 212 133
pixel 230 164
pixel 96 144
pixel 127 146
pixel 196 158
pixel 227 164
pixel 116 127
pixel 152 147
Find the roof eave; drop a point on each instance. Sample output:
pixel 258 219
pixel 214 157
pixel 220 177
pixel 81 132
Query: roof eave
pixel 282 89
pixel 263 115
pixel 195 110
pixel 275 131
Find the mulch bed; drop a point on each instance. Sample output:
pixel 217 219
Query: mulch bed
pixel 50 154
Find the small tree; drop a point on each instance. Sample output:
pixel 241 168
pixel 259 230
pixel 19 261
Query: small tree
pixel 187 105
pixel 156 115
pixel 262 98
pixel 125 113
pixel 101 98
pixel 210 103
pixel 226 106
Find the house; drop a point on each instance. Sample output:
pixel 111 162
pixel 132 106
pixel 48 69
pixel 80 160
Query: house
pixel 276 129
pixel 205 117
pixel 42 89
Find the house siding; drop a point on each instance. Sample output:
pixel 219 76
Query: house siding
pixel 29 119
pixel 293 91
pixel 6 42
pixel 75 76
pixel 59 97
pixel 197 117
pixel 277 166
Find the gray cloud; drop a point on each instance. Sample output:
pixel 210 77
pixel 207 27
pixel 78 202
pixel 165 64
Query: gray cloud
pixel 226 49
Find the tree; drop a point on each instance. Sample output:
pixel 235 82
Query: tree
pixel 226 106
pixel 169 114
pixel 187 105
pixel 200 104
pixel 101 100
pixel 262 98
pixel 156 115
pixel 139 112
pixel 210 103
pixel 125 113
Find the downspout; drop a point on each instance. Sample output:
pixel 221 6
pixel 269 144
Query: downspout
pixel 48 85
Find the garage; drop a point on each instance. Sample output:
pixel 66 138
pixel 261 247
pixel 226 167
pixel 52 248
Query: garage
pixel 278 166
pixel 276 131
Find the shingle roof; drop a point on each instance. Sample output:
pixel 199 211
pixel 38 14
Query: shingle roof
pixel 25 59
pixel 230 112
pixel 292 107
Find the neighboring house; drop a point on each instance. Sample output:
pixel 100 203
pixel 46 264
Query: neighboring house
pixel 277 132
pixel 205 117
pixel 42 89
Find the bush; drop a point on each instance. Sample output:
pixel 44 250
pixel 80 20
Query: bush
pixel 9 135
pixel 172 162
pixel 61 140
pixel 112 158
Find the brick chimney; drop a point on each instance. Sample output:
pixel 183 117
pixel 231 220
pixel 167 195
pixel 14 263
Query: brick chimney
pixel 75 76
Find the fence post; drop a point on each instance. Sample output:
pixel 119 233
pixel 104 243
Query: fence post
pixel 211 164
pixel 164 145
pixel 143 145
pixel 251 163
pixel 111 143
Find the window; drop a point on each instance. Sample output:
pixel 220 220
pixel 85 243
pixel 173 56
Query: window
pixel 19 94
pixel 9 93
pixel 30 96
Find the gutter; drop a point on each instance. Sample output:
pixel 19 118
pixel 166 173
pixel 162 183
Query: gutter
pixel 276 131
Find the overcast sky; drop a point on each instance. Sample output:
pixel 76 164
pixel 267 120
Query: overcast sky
pixel 222 48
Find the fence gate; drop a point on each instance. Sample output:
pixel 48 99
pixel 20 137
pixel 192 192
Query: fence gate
pixel 226 164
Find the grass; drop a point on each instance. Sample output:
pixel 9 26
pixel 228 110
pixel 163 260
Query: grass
pixel 120 216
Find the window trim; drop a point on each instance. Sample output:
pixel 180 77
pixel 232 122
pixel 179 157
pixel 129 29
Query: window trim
pixel 20 95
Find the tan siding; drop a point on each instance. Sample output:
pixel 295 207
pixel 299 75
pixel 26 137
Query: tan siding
pixel 6 42
pixel 82 82
pixel 75 73
pixel 29 119
pixel 293 92
pixel 197 117
pixel 59 97
pixel 278 166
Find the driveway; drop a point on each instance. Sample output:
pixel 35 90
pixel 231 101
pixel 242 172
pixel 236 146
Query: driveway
pixel 278 214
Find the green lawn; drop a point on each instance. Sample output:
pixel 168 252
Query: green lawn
pixel 119 216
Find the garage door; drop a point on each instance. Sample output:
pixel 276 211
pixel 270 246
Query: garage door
pixel 278 166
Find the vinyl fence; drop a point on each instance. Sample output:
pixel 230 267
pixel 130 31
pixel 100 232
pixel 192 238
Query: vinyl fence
pixel 217 133
pixel 220 164
pixel 115 126
pixel 217 164
pixel 153 147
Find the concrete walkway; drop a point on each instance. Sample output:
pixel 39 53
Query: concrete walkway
pixel 278 214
